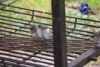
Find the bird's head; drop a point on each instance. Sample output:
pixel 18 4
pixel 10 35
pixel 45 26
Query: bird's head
pixel 42 26
pixel 83 4
pixel 84 8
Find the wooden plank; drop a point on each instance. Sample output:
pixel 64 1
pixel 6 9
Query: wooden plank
pixel 84 58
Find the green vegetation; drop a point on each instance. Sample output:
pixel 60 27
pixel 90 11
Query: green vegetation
pixel 45 6
pixel 93 3
pixel 42 5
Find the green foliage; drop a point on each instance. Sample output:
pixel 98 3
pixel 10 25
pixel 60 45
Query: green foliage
pixel 94 4
pixel 43 5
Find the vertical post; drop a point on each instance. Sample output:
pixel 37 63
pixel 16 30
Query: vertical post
pixel 59 33
pixel 32 15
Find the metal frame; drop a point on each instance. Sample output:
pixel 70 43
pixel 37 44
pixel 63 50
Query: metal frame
pixel 3 6
pixel 73 46
pixel 83 31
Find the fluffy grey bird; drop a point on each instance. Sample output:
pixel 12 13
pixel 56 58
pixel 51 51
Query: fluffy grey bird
pixel 41 31
pixel 96 37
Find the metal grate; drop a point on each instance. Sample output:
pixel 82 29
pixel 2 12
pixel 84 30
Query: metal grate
pixel 18 48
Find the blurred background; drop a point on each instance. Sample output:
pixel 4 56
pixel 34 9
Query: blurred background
pixel 45 6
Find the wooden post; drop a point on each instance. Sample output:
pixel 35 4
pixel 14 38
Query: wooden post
pixel 58 15
pixel 85 58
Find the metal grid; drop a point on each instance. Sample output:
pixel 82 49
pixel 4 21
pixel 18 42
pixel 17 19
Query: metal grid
pixel 15 51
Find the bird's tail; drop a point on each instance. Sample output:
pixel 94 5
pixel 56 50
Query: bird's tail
pixel 91 12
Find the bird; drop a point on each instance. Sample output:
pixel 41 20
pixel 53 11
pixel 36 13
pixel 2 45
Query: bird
pixel 96 37
pixel 83 8
pixel 41 31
